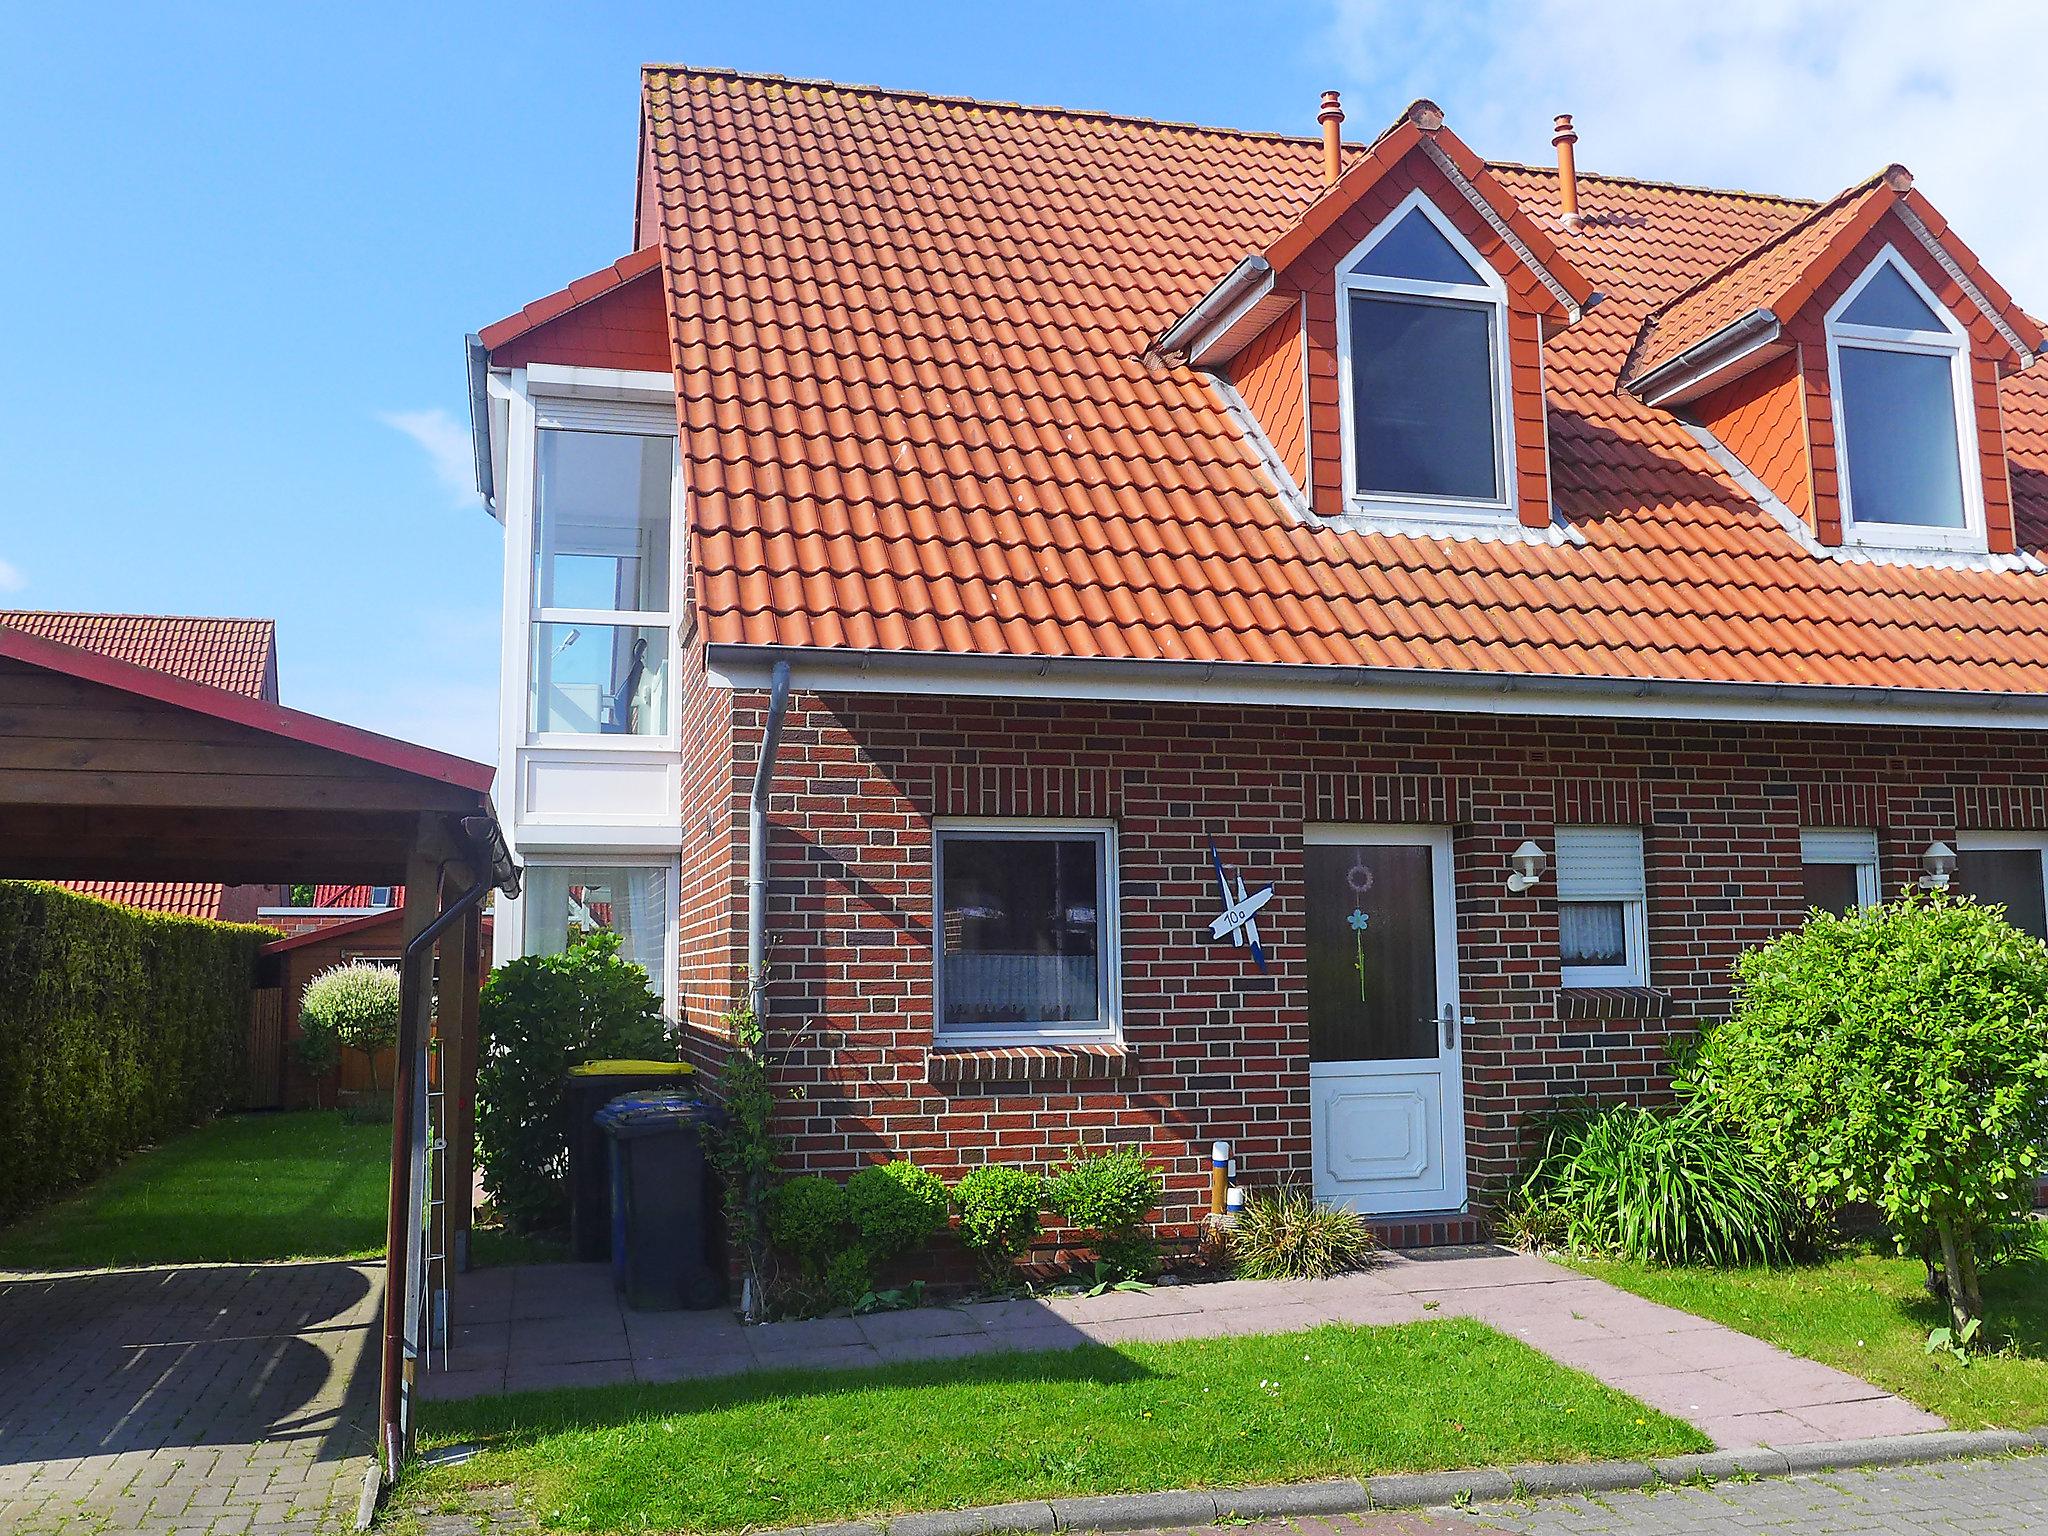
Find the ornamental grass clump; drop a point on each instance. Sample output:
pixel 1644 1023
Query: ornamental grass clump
pixel 1661 1186
pixel 1897 1054
pixel 351 1007
pixel 1288 1234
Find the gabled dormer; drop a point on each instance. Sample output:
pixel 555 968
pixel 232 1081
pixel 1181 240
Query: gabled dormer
pixel 1385 353
pixel 1848 368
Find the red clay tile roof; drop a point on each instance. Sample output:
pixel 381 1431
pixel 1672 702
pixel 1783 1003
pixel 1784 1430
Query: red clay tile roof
pixel 179 899
pixel 354 896
pixel 532 316
pixel 917 415
pixel 239 655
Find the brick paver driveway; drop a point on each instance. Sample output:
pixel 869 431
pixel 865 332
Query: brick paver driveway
pixel 216 1399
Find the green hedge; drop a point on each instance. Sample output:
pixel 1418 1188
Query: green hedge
pixel 117 1028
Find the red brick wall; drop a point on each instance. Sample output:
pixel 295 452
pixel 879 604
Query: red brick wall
pixel 1215 1048
pixel 712 956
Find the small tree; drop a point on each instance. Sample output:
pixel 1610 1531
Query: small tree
pixel 1897 1055
pixel 538 1017
pixel 349 1007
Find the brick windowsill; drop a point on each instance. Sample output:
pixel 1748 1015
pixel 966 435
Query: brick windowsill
pixel 1025 1063
pixel 1612 1003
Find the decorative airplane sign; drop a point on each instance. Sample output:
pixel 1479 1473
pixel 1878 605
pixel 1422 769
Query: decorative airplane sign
pixel 1240 911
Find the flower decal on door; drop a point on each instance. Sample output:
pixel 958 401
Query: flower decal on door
pixel 1360 920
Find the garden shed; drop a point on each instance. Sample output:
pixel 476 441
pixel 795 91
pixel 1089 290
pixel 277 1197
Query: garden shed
pixel 114 771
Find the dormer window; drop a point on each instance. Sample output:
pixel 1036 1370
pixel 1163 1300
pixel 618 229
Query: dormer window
pixel 1423 366
pixel 1899 366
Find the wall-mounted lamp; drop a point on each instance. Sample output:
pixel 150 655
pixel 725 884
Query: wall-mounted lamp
pixel 1527 863
pixel 1936 865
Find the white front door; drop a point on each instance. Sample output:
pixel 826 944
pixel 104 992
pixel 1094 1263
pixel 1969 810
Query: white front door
pixel 1386 1074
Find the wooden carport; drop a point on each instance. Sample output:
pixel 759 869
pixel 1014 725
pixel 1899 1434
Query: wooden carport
pixel 113 771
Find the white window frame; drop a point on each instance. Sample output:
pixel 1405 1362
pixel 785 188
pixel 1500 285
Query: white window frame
pixel 2035 843
pixel 1856 846
pixel 634 417
pixel 603 858
pixel 1634 901
pixel 1105 1030
pixel 1430 509
pixel 1956 349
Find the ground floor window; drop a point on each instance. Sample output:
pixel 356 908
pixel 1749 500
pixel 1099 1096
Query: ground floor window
pixel 1602 910
pixel 2006 869
pixel 564 902
pixel 1838 866
pixel 1026 932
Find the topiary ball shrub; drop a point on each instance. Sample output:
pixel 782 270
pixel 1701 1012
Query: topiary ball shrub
pixel 808 1218
pixel 1108 1197
pixel 348 1007
pixel 999 1219
pixel 1661 1186
pixel 538 1017
pixel 1896 1054
pixel 896 1208
pixel 1290 1235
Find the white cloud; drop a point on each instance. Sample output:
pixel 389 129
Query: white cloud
pixel 1793 96
pixel 11 578
pixel 447 445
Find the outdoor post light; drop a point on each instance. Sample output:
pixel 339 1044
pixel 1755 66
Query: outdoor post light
pixel 1527 863
pixel 1937 864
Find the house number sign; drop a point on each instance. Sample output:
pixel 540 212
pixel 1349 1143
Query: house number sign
pixel 1239 918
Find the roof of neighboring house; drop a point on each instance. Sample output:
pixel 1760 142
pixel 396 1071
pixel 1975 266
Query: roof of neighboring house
pixel 239 655
pixel 921 412
pixel 339 896
pixel 177 899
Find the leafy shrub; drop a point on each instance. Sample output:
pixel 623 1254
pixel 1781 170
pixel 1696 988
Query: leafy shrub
pixel 1290 1235
pixel 1898 1055
pixel 807 1219
pixel 349 1007
pixel 117 1028
pixel 895 1207
pixel 538 1017
pixel 998 1216
pixel 1108 1197
pixel 849 1277
pixel 1662 1187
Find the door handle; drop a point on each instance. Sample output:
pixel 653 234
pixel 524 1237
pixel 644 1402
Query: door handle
pixel 1450 1020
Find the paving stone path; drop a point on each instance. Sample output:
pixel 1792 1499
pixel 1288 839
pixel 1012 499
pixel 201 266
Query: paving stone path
pixel 1980 1498
pixel 195 1400
pixel 561 1325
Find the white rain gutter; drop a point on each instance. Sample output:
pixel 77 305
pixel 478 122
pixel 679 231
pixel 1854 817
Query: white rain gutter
pixel 1705 363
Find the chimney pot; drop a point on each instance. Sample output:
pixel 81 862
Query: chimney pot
pixel 1564 136
pixel 1331 116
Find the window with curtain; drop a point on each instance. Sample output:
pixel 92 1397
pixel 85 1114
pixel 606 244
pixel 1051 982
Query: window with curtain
pixel 1602 907
pixel 565 902
pixel 1026 933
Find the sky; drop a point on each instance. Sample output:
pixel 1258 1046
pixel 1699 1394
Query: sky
pixel 242 244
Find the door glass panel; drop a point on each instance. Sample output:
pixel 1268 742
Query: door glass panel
pixel 2009 878
pixel 1372 955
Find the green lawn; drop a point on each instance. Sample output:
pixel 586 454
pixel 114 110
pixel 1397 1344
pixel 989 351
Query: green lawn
pixel 1867 1313
pixel 780 1448
pixel 305 1184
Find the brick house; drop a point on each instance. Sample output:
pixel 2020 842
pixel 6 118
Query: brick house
pixel 1330 646
pixel 239 655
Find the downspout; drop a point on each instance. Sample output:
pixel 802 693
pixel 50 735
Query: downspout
pixel 757 844
pixel 414 975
